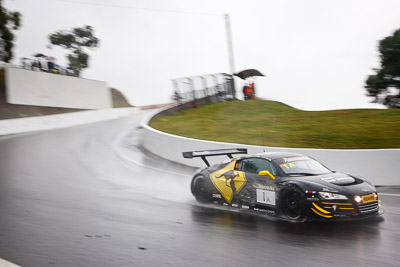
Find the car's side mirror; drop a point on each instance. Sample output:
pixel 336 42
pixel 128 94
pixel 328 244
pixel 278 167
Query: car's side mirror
pixel 266 173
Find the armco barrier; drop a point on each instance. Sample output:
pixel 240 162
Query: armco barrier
pixel 377 165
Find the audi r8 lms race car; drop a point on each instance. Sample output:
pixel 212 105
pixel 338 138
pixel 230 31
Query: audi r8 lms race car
pixel 283 184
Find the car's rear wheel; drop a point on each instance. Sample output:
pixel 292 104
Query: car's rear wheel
pixel 294 204
pixel 201 189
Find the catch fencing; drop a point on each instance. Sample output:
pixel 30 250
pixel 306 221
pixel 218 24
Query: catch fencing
pixel 194 91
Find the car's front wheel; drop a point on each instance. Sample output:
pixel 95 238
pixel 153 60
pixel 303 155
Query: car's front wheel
pixel 201 189
pixel 293 204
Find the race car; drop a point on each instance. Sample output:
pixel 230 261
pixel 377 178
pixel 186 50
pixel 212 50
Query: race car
pixel 283 184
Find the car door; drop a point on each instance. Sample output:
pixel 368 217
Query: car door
pixel 262 188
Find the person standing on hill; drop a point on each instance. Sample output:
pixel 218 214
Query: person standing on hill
pixel 248 91
pixel 253 86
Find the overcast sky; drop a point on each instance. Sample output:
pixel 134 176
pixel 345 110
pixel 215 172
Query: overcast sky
pixel 316 54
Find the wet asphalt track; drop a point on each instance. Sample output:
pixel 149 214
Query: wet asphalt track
pixel 85 197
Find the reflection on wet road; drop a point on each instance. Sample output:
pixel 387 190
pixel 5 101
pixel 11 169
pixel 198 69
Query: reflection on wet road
pixel 88 196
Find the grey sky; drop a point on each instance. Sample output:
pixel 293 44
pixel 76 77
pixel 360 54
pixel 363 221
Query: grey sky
pixel 315 53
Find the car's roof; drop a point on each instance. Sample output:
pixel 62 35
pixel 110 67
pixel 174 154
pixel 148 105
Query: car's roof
pixel 275 155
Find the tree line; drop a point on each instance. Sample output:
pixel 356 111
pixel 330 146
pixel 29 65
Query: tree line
pixel 384 85
pixel 75 40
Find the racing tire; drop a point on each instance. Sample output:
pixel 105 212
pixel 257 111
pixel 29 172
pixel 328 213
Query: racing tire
pixel 293 204
pixel 201 189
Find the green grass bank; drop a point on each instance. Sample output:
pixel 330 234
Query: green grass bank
pixel 275 124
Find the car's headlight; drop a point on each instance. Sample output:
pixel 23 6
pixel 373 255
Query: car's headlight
pixel 328 195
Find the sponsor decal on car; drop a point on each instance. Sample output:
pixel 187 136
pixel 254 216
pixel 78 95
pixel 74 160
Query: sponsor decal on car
pixel 228 181
pixel 266 187
pixel 368 198
pixel 267 211
pixel 366 190
pixel 291 159
pixel 329 190
pixel 336 179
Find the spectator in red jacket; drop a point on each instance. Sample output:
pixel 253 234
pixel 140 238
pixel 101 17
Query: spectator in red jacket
pixel 249 92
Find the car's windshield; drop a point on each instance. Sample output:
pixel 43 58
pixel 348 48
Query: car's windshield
pixel 301 165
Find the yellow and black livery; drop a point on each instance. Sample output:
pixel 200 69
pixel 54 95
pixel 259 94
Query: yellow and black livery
pixel 283 184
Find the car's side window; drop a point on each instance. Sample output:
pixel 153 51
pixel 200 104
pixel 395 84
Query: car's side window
pixel 255 165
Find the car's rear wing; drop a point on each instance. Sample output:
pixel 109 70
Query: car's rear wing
pixel 214 152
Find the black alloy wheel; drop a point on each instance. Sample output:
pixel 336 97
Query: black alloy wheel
pixel 294 204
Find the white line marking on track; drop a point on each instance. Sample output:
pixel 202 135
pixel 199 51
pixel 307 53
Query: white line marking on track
pixel 392 195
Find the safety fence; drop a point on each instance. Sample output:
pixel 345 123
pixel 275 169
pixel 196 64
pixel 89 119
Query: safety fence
pixel 194 91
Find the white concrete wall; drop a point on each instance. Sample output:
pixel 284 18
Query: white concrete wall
pixel 41 123
pixel 377 165
pixel 36 88
pixel 4 263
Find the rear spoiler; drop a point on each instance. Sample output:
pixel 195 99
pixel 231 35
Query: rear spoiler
pixel 214 152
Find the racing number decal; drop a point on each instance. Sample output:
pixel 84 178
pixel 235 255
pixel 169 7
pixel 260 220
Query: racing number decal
pixel 228 182
pixel 288 165
pixel 265 196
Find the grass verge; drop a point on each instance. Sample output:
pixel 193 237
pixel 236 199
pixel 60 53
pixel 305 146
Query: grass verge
pixel 275 124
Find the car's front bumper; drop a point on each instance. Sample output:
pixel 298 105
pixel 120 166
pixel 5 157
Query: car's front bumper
pixel 342 210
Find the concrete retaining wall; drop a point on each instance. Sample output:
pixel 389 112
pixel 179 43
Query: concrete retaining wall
pixel 36 88
pixel 377 165
pixel 41 123
pixel 4 263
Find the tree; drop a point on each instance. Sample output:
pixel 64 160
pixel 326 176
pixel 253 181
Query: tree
pixel 75 41
pixel 384 86
pixel 8 21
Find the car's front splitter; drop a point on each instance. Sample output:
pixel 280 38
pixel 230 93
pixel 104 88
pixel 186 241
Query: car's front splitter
pixel 327 211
